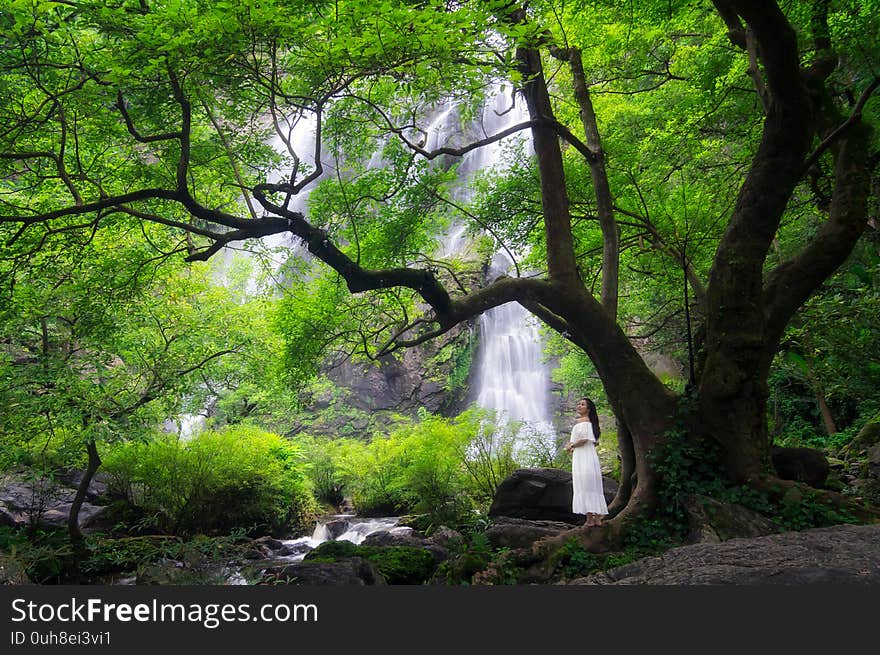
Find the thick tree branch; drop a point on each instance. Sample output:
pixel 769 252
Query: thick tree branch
pixel 601 187
pixel 790 284
pixel 357 278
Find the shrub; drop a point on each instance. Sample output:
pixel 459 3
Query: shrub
pixel 218 481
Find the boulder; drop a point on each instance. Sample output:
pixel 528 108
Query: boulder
pixel 509 532
pixel 269 542
pixel 867 437
pixel 805 465
pixel 98 487
pixel 446 536
pixel 842 554
pixel 9 518
pixel 336 527
pixel 712 521
pixel 43 501
pixel 541 494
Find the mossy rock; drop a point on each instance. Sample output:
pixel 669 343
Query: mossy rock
pixel 867 437
pixel 398 564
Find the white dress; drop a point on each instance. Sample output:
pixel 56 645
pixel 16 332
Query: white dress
pixel 586 474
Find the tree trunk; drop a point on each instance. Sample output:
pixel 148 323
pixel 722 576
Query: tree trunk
pixel 627 469
pixel 94 463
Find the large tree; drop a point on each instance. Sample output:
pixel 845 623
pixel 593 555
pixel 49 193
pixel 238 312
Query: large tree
pixel 161 111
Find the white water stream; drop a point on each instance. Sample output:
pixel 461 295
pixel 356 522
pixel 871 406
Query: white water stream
pixel 341 527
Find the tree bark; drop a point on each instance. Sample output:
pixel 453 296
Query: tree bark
pixel 627 469
pixel 94 463
pixel 601 187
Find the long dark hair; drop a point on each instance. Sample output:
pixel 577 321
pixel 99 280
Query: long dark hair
pixel 593 416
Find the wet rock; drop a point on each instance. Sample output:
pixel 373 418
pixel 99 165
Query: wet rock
pixel 336 527
pixel 269 542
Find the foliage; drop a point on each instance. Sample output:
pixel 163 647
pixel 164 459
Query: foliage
pixel 444 470
pixel 831 351
pixel 572 560
pixel 468 555
pixel 49 558
pixel 116 161
pixel 688 467
pixel 398 564
pixel 103 343
pixel 239 477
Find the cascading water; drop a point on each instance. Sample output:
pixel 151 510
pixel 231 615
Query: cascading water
pixel 511 378
pixel 342 527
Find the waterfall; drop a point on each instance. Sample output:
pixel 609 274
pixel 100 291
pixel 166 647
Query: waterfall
pixel 511 377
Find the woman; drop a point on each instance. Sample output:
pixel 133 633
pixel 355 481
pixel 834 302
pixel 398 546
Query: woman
pixel 586 475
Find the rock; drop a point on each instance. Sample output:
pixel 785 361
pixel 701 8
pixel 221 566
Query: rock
pixel 444 536
pixel 354 571
pixel 98 486
pixel 508 532
pixel 44 501
pixel 541 494
pixel 10 518
pixel 801 464
pixel 867 437
pixel 874 455
pixel 712 521
pixel 842 554
pixel 410 538
pixel 336 527
pixel 89 516
pixel 269 542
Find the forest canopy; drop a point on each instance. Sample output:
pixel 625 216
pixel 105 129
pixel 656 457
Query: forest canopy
pixel 697 179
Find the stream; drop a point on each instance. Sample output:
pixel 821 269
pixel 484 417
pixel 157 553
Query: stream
pixel 338 527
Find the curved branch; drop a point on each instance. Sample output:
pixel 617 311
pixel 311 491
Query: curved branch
pixel 120 105
pixel 357 278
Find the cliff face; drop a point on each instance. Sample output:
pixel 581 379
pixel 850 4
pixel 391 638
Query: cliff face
pixel 357 399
